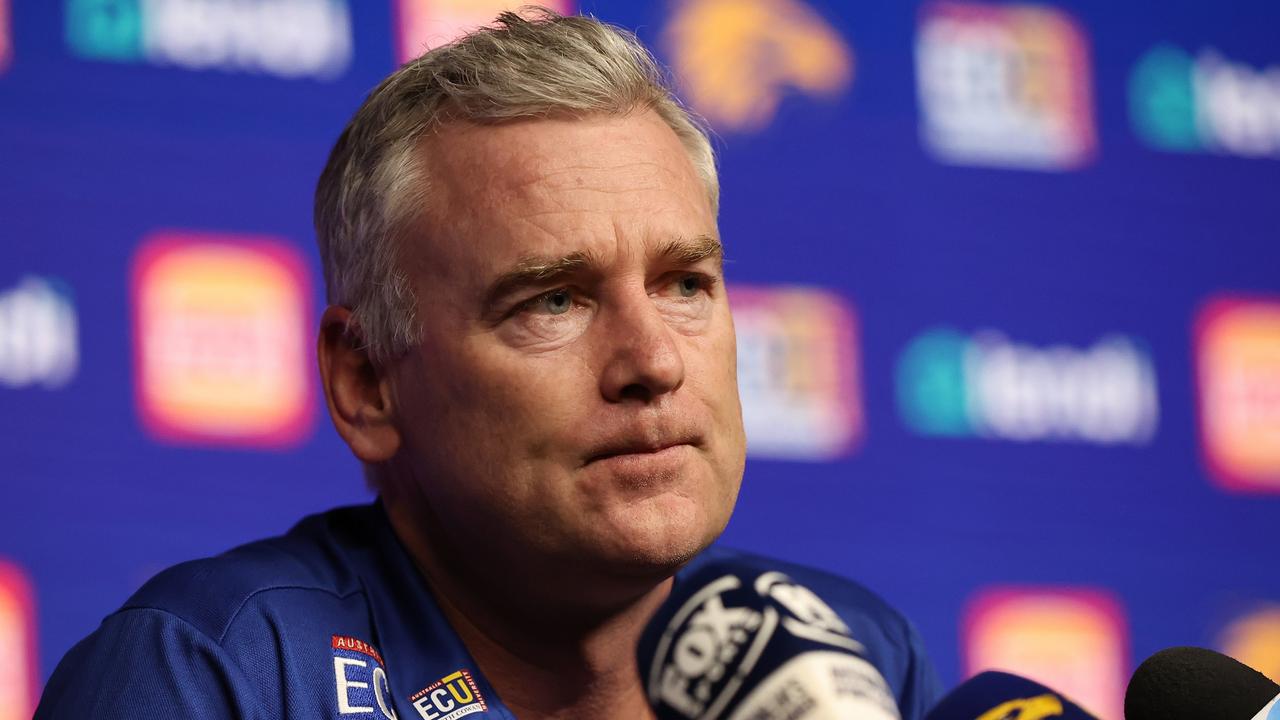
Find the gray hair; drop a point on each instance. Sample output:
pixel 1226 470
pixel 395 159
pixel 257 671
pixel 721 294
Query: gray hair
pixel 528 65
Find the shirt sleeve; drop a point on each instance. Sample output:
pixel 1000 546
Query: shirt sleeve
pixel 146 663
pixel 921 689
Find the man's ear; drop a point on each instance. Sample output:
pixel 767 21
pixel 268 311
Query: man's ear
pixel 357 392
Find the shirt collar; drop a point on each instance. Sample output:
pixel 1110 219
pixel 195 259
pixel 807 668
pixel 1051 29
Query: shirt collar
pixel 420 647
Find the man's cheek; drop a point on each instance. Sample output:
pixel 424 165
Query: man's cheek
pixel 530 396
pixel 712 366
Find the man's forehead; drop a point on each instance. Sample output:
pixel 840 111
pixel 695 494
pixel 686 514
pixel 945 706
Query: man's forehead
pixel 535 192
pixel 546 155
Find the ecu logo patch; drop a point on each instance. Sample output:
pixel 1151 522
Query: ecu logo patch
pixel 450 697
pixel 360 680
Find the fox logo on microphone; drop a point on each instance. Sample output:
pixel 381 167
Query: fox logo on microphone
pixel 748 646
pixel 702 642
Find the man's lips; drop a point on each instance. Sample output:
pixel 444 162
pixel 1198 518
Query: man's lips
pixel 637 448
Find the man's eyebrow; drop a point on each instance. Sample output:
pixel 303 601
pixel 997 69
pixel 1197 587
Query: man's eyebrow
pixel 534 270
pixel 689 251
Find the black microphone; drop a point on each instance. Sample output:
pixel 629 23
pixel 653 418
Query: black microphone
pixel 1190 682
pixel 994 695
pixel 745 644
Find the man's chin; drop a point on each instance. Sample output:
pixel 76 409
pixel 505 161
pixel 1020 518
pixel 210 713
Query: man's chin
pixel 658 537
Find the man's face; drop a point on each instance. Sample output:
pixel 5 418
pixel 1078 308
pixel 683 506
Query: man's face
pixel 574 399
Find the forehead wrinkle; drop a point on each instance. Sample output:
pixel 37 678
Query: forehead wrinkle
pixel 629 177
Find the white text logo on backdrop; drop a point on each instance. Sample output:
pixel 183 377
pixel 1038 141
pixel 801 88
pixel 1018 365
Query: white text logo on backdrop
pixel 39 334
pixel 1206 103
pixel 284 38
pixel 986 385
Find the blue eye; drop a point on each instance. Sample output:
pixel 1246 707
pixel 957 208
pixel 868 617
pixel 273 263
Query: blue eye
pixel 556 302
pixel 689 285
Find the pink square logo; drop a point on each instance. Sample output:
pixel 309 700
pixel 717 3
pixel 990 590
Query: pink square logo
pixel 6 36
pixel 19 686
pixel 1237 348
pixel 1074 640
pixel 425 24
pixel 222 347
pixel 798 371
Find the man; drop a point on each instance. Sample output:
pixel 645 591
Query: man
pixel 531 351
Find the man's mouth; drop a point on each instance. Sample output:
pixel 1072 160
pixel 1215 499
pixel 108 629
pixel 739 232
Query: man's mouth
pixel 638 447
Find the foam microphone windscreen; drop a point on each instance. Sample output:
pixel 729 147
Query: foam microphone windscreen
pixel 1186 683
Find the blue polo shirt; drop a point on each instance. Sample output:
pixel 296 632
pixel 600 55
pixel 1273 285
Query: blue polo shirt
pixel 332 620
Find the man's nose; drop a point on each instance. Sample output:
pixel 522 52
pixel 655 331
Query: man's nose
pixel 642 357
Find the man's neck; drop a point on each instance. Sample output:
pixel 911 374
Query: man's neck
pixel 545 660
pixel 546 668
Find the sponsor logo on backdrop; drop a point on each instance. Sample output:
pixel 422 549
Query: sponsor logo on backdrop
pixel 797 372
pixel 1004 86
pixel 221 341
pixel 1238 370
pixel 39 334
pixel 360 679
pixel 1074 640
pixel 18 673
pixel 6 36
pixel 985 385
pixel 1205 103
pixel 1254 639
pixel 737 59
pixel 450 697
pixel 425 24
pixel 285 38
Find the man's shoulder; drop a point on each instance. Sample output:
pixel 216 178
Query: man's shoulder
pixel 230 635
pixel 308 562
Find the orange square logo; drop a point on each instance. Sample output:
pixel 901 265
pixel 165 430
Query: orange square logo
pixel 1238 370
pixel 1074 640
pixel 1254 639
pixel 425 24
pixel 797 372
pixel 18 678
pixel 221 341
